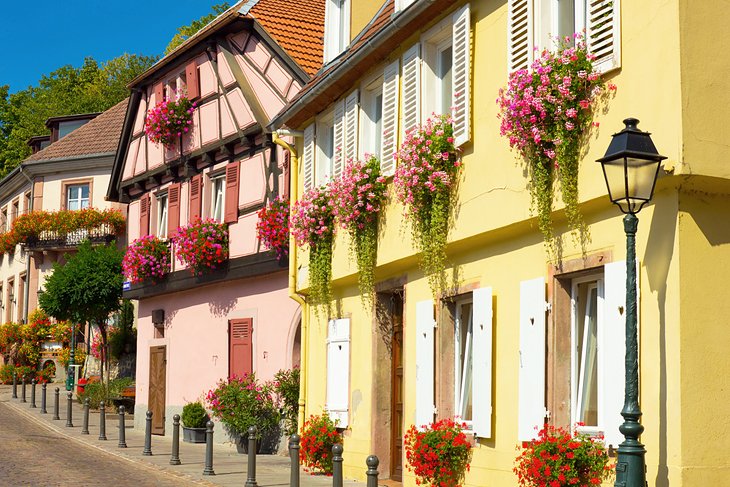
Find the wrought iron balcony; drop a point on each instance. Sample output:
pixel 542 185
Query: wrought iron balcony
pixel 52 240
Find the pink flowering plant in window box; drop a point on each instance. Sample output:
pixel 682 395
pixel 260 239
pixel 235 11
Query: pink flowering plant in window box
pixel 272 228
pixel 546 112
pixel 312 222
pixel 202 245
pixel 424 182
pixel 169 120
pixel 147 257
pixel 359 196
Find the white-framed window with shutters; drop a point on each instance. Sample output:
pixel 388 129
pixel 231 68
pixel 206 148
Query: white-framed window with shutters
pixel 463 353
pixel 338 371
pixel 337 28
pixel 217 196
pixel 437 69
pixel 325 148
pixel 371 117
pixel 533 24
pixel 162 215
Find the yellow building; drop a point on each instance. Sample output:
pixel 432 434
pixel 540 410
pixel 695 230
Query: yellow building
pixel 514 313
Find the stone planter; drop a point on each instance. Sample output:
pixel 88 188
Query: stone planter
pixel 193 435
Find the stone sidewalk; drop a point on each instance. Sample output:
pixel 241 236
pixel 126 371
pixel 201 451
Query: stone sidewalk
pixel 230 467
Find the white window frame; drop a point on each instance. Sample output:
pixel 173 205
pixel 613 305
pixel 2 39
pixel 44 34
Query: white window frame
pixel 402 4
pixel 162 212
pixel 80 200
pixel 547 18
pixel 371 132
pixel 459 361
pixel 218 196
pixel 337 28
pixel 433 43
pixel 324 159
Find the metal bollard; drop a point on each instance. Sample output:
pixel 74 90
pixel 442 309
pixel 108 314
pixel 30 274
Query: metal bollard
pixel 372 473
pixel 43 398
pixel 69 410
pixel 251 474
pixel 122 430
pixel 102 421
pixel 15 385
pixel 209 449
pixel 337 465
pixel 175 458
pixel 85 426
pixel 55 404
pixel 32 394
pixel 148 435
pixel 294 457
pixel 22 391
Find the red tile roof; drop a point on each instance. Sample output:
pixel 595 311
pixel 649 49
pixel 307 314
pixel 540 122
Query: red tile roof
pixel 99 136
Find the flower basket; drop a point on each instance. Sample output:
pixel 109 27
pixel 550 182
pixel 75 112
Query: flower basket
pixel 169 120
pixel 146 258
pixel 439 455
pixel 272 228
pixel 202 245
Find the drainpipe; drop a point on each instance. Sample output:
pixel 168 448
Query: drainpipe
pixel 294 185
pixel 26 291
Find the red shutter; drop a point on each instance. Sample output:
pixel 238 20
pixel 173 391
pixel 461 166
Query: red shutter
pixel 173 209
pixel 144 215
pixel 196 189
pixel 159 91
pixel 191 80
pixel 240 356
pixel 231 209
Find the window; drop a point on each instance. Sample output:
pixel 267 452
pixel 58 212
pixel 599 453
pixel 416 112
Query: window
pixel 162 215
pixel 77 196
pixel 337 28
pixel 372 118
pixel 27 202
pixel 10 309
pixel 15 211
pixel 463 346
pixel 21 297
pixel 5 223
pixel 587 299
pixel 437 73
pixel 65 128
pixel 217 197
pixel 325 150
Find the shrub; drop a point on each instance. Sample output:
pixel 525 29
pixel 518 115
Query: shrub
pixel 319 435
pixel 202 245
pixel 98 391
pixel 146 257
pixel 194 415
pixel 6 373
pixel 439 455
pixel 286 388
pixel 46 374
pixel 242 402
pixel 65 353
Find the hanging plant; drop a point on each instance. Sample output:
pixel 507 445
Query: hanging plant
pixel 169 120
pixel 202 245
pixel 424 183
pixel 146 257
pixel 272 228
pixel 359 195
pixel 547 111
pixel 312 222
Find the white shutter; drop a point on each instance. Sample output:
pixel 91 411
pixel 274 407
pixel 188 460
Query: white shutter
pixel 389 139
pixel 338 142
pixel 351 127
pixel 482 363
pixel 338 370
pixel 425 323
pixel 308 157
pixel 520 34
pixel 532 359
pixel 411 87
pixel 461 96
pixel 603 33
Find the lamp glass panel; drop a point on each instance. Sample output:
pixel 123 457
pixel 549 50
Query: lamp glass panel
pixel 615 179
pixel 641 173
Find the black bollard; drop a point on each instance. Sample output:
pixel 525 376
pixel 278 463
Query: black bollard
pixel 15 385
pixel 102 421
pixel 294 457
pixel 32 394
pixel 372 473
pixel 55 404
pixel 43 398
pixel 85 426
pixel 69 410
pixel 208 449
pixel 148 435
pixel 122 430
pixel 337 465
pixel 22 391
pixel 175 458
pixel 251 474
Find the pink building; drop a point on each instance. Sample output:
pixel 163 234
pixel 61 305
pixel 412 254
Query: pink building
pixel 241 70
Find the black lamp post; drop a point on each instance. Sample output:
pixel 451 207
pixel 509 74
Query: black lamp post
pixel 630 166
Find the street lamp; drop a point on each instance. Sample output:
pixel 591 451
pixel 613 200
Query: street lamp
pixel 630 166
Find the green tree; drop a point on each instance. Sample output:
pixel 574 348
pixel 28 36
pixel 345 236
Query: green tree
pixel 86 289
pixel 186 31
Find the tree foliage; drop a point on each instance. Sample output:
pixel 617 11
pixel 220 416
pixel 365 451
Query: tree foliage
pixel 184 32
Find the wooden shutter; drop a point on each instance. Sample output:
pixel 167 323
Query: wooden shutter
pixel 532 359
pixel 411 87
pixel 240 342
pixel 425 404
pixel 308 157
pixel 159 92
pixel 338 370
pixel 192 81
pixel 338 142
pixel 482 363
pixel 196 191
pixel 173 209
pixel 390 119
pixel 603 33
pixel 232 183
pixel 351 125
pixel 461 96
pixel 520 34
pixel 144 215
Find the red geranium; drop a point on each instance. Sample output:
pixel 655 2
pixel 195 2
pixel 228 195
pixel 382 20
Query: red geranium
pixel 319 435
pixel 273 226
pixel 439 455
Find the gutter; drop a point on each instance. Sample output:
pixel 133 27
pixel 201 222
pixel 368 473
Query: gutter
pixel 304 352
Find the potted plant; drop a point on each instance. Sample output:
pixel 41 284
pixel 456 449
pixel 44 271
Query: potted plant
pixel 169 120
pixel 146 257
pixel 439 454
pixel 286 388
pixel 273 227
pixel 202 245
pixel 319 435
pixel 194 418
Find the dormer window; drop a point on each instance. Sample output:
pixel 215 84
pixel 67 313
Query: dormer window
pixel 337 28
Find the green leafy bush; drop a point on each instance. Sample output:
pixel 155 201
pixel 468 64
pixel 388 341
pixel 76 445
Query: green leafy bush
pixel 194 415
pixel 242 402
pixel 6 373
pixel 286 388
pixel 97 392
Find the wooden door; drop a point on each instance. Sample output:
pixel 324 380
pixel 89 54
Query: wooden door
pixel 240 340
pixel 158 365
pixel 396 424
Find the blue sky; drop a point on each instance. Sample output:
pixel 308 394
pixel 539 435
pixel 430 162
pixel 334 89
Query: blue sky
pixel 38 37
